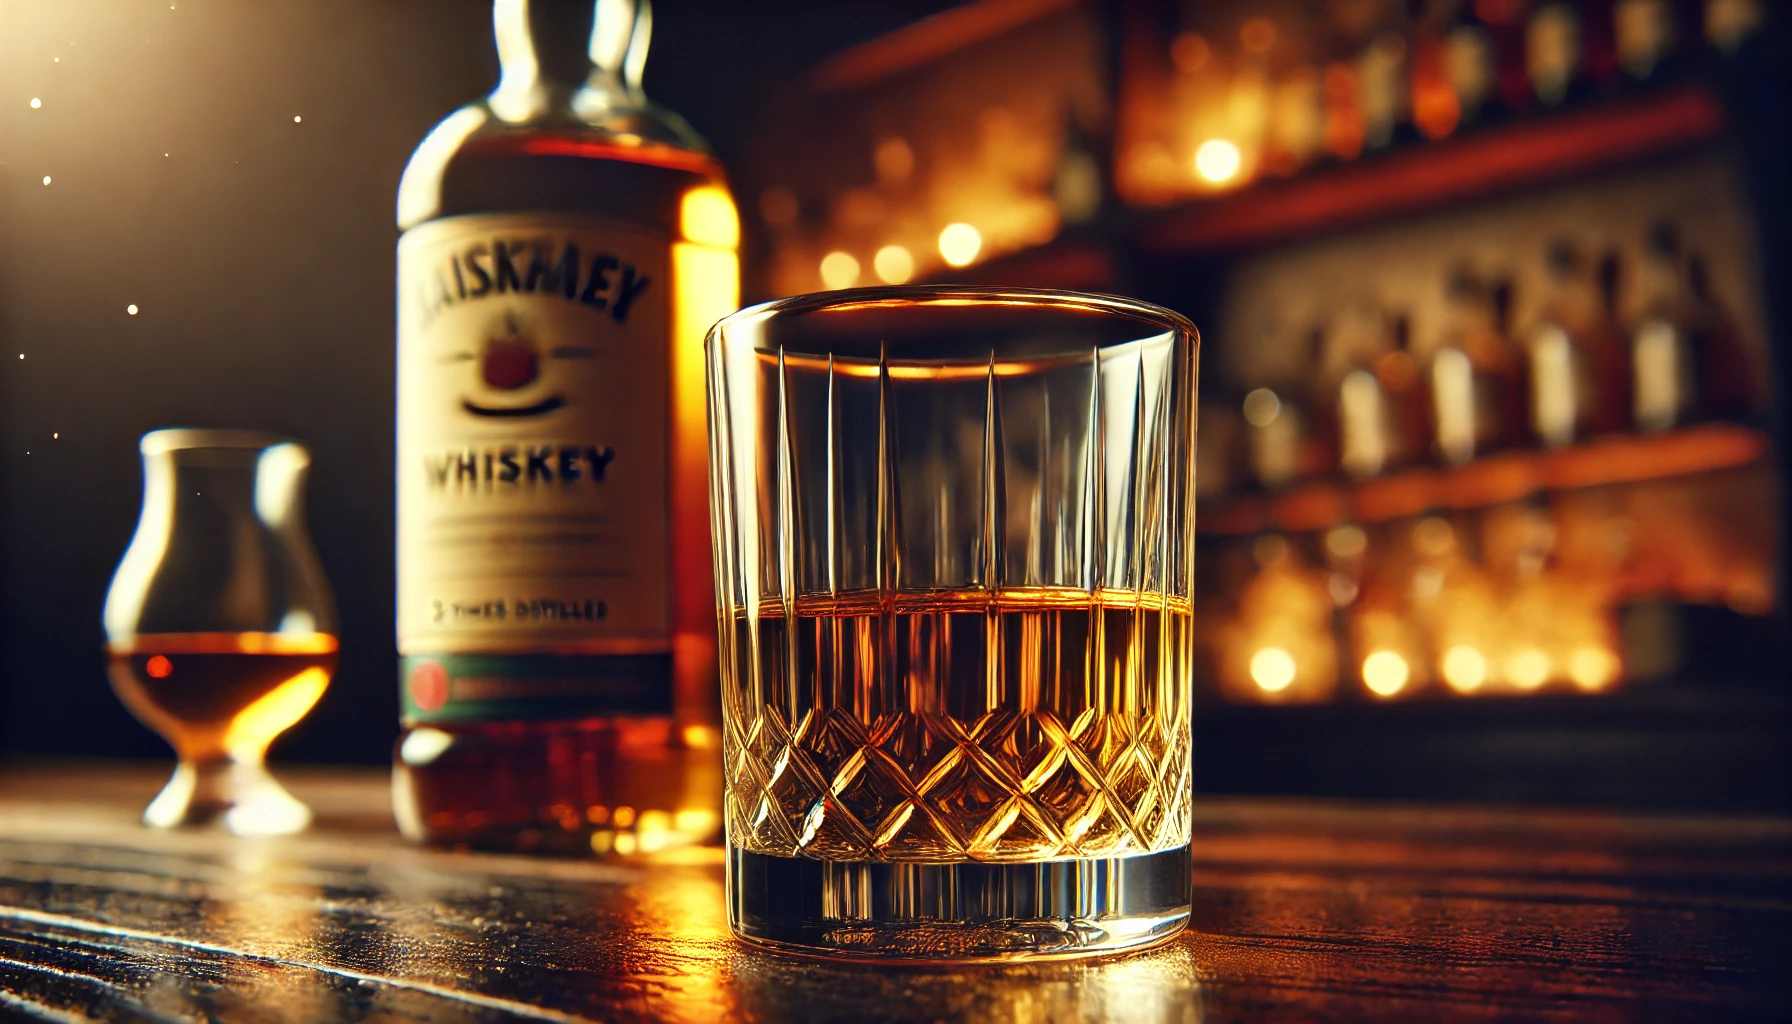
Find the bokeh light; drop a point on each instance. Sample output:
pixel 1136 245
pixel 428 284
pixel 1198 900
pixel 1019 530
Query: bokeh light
pixel 959 244
pixel 1217 160
pixel 1272 669
pixel 894 264
pixel 1528 668
pixel 1385 673
pixel 1464 668
pixel 839 270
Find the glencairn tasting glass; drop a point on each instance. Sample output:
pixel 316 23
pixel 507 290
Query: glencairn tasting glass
pixel 565 245
pixel 219 624
pixel 954 553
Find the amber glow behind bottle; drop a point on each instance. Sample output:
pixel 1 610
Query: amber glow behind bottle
pixel 566 244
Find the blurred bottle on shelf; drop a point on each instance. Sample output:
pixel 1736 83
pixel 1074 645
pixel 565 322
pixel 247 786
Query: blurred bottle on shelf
pixel 1381 401
pixel 1295 136
pixel 1730 23
pixel 1556 624
pixel 1477 375
pixel 1279 648
pixel 1385 640
pixel 1471 68
pixel 1553 54
pixel 1643 38
pixel 1686 358
pixel 1441 87
pixel 1382 90
pixel 1277 428
pixel 1078 185
pixel 1291 433
pixel 1579 367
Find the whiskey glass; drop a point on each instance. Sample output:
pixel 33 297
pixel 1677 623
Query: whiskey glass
pixel 220 629
pixel 953 533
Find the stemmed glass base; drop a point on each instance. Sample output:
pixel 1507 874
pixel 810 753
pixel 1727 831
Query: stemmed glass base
pixel 240 795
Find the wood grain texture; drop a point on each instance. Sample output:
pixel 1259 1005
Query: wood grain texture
pixel 1303 911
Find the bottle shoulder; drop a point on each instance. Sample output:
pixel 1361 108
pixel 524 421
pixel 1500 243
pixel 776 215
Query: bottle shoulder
pixel 476 160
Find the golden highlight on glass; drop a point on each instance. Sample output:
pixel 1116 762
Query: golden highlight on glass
pixel 954 541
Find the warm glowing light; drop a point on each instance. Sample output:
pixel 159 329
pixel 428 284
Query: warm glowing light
pixel 1385 673
pixel 894 264
pixel 1217 160
pixel 1528 669
pixel 959 244
pixel 1465 668
pixel 1258 35
pixel 46 179
pixel 422 746
pixel 1591 668
pixel 35 103
pixel 279 709
pixel 296 119
pixel 159 667
pixel 839 270
pixel 1191 52
pixel 779 206
pixel 894 160
pixel 1261 407
pixel 707 217
pixel 1272 669
pixel 131 309
pixel 1346 541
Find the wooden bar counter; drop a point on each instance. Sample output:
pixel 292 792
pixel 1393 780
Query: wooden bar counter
pixel 1303 911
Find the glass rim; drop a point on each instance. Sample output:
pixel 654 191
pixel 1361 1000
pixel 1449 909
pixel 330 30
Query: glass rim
pixel 955 295
pixel 174 439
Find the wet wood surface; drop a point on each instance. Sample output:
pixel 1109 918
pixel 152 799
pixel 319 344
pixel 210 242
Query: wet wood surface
pixel 1303 911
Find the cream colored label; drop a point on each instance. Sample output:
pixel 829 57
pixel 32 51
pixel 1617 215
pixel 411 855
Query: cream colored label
pixel 532 436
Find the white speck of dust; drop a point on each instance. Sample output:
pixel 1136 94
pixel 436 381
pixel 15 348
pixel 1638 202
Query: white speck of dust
pixel 56 436
pixel 46 179
pixel 55 60
pixel 35 103
pixel 296 119
pixel 131 309
pixel 164 154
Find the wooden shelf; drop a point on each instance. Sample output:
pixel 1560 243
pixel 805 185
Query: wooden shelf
pixel 1427 176
pixel 1508 476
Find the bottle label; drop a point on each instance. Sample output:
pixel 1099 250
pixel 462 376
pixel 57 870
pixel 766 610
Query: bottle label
pixel 533 366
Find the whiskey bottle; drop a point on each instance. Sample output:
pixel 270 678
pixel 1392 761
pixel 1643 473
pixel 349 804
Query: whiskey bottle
pixel 1686 359
pixel 1477 376
pixel 1579 367
pixel 565 245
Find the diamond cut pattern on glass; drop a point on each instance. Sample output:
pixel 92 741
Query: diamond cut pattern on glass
pixel 955 593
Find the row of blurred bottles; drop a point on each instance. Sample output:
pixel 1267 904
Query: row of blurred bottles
pixel 1528 594
pixel 1366 401
pixel 1271 88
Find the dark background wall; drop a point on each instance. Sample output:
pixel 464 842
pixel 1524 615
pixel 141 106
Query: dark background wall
pixel 259 254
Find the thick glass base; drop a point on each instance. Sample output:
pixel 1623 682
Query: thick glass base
pixel 958 912
pixel 240 795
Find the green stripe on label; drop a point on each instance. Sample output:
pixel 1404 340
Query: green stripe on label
pixel 509 687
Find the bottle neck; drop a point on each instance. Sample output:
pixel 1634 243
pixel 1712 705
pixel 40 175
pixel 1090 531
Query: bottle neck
pixel 549 47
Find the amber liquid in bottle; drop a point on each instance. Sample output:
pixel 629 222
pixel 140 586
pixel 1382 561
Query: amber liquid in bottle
pixel 215 694
pixel 621 775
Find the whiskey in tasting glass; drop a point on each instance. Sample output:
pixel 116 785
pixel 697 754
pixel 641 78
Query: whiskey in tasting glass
pixel 220 630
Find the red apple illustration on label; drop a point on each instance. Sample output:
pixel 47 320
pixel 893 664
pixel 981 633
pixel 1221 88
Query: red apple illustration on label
pixel 509 363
